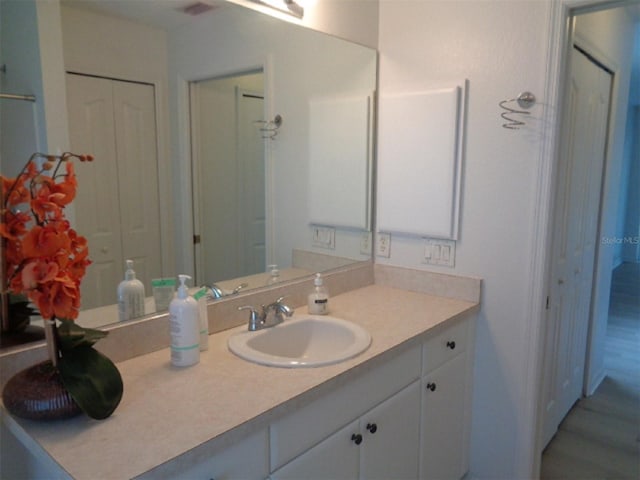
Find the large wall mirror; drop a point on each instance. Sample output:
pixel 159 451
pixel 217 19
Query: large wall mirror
pixel 229 145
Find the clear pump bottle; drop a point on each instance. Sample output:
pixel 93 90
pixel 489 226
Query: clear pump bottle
pixel 318 300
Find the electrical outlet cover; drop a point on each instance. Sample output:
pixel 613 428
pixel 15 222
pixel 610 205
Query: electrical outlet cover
pixel 383 245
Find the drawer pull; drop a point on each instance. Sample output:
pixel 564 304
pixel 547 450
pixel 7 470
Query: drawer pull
pixel 451 344
pixel 357 438
pixel 431 386
pixel 372 427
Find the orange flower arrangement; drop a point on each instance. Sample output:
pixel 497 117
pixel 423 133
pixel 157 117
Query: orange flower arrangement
pixel 45 259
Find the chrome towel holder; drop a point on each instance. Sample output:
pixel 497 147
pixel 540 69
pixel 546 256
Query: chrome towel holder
pixel 525 101
pixel 270 128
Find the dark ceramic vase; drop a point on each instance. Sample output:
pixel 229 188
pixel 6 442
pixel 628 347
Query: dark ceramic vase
pixel 37 393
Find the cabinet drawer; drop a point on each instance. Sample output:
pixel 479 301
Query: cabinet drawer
pixel 304 428
pixel 445 346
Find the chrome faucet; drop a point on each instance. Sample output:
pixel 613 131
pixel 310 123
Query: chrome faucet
pixel 270 316
pixel 216 292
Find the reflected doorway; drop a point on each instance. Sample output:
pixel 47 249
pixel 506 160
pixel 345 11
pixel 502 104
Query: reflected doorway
pixel 228 175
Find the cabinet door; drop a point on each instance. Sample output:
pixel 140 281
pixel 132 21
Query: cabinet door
pixel 443 416
pixel 334 458
pixel 391 436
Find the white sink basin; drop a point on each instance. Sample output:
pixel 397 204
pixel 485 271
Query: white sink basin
pixel 302 341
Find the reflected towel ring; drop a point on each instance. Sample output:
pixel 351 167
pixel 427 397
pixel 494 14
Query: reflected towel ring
pixel 525 101
pixel 270 128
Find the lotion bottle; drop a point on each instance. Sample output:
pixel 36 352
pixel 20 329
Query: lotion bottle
pixel 130 295
pixel 184 324
pixel 318 300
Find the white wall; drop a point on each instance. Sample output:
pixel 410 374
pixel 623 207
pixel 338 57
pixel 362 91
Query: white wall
pixel 32 51
pixel 500 46
pixel 608 35
pixel 630 231
pixel 629 216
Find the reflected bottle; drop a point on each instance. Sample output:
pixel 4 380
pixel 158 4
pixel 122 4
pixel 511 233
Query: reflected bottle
pixel 130 295
pixel 274 274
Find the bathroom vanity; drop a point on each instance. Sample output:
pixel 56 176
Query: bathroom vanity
pixel 400 409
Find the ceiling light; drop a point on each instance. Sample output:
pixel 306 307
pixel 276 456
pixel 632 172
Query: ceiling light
pixel 286 6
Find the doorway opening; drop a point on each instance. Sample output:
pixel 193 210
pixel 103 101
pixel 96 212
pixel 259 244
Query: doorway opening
pixel 592 362
pixel 228 176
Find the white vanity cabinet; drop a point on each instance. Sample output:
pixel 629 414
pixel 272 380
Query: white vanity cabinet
pixel 391 437
pixel 416 425
pixel 381 444
pixel 328 438
pixel 403 414
pixel 244 460
pixel 446 403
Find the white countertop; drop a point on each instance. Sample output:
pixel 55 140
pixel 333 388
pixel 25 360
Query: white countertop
pixel 167 411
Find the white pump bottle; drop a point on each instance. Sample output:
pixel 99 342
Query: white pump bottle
pixel 130 295
pixel 185 327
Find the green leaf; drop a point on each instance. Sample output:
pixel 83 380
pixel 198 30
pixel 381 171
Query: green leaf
pixel 92 379
pixel 71 335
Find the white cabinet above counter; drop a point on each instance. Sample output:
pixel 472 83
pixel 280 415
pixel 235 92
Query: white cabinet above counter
pixel 171 420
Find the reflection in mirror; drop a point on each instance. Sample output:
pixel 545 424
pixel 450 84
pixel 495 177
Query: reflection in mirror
pixel 229 188
pixel 147 79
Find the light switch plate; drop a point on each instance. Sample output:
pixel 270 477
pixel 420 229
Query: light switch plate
pixel 383 244
pixel 439 252
pixel 324 237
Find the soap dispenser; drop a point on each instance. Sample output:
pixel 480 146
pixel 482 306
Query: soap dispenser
pixel 185 327
pixel 274 275
pixel 130 295
pixel 318 300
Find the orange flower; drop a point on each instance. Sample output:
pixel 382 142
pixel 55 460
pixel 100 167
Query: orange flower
pixel 38 272
pixel 45 258
pixel 14 193
pixel 15 225
pixel 64 192
pixel 44 242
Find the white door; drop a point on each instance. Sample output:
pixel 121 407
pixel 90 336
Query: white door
pixel 92 130
pixel 443 423
pixel 116 206
pixel 137 159
pixel 575 238
pixel 391 440
pixel 251 183
pixel 336 457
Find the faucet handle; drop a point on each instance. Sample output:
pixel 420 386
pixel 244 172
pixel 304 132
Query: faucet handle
pixel 255 319
pixel 279 300
pixel 239 287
